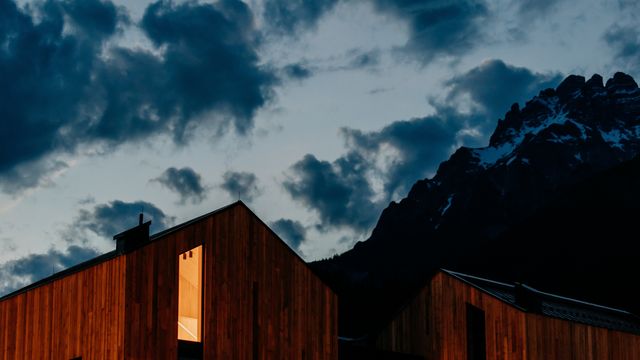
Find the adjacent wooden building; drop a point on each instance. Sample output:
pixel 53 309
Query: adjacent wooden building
pixel 221 286
pixel 462 317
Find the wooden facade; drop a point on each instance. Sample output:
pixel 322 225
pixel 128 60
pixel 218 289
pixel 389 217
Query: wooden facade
pixel 260 300
pixel 81 314
pixel 434 326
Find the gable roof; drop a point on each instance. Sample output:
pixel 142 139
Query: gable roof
pixel 115 253
pixel 531 300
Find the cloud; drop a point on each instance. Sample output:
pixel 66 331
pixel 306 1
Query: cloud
pixel 185 182
pixel 625 41
pixel 380 166
pixel 291 231
pixel 494 86
pixel 15 274
pixel 286 17
pixel 107 220
pixel 66 83
pixel 297 71
pixel 31 174
pixel 338 191
pixel 438 28
pixel 242 185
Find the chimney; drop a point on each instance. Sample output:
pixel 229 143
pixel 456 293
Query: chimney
pixel 133 238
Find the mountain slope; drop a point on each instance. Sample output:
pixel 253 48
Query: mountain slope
pixel 467 215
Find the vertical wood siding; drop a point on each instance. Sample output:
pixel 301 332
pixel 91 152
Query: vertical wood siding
pixel 296 313
pixel 127 307
pixel 81 314
pixel 434 325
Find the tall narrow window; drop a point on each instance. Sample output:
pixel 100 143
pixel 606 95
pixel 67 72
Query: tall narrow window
pixel 476 346
pixel 190 295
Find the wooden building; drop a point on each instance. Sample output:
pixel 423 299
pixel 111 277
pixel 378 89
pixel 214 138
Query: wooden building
pixel 462 317
pixel 221 286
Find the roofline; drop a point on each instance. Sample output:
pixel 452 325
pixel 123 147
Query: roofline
pixel 180 226
pixel 565 299
pixel 63 273
pixel 173 229
pixel 155 237
pixel 459 276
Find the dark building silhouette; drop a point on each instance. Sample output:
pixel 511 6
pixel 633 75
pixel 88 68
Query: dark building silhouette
pixel 458 316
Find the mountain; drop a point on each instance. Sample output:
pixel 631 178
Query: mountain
pixel 527 207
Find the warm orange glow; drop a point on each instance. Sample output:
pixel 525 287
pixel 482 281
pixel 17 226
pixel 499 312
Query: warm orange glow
pixel 190 295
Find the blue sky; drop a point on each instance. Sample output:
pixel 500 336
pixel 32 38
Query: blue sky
pixel 316 113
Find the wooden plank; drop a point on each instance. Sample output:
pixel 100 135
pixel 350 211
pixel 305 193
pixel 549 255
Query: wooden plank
pixel 76 315
pixel 433 325
pixel 126 307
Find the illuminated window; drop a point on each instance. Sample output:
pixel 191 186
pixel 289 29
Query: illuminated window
pixel 190 295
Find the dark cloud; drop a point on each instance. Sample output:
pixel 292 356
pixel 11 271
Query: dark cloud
pixel 625 41
pixel 495 85
pixel 416 147
pixel 241 185
pixel 44 74
pixel 287 17
pixel 185 182
pixel 339 192
pixel 18 273
pixel 438 28
pixel 107 220
pixel 380 166
pixel 297 71
pixel 65 84
pixel 291 231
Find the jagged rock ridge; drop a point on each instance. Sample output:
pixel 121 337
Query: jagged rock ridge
pixel 559 138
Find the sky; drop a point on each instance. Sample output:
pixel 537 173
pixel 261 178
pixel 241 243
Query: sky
pixel 317 114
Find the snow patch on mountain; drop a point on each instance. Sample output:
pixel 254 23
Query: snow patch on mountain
pixel 614 137
pixel 447 205
pixel 491 155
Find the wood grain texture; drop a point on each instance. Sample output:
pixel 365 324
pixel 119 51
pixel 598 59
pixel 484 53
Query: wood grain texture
pixel 127 307
pixel 81 314
pixel 433 325
pixel 296 313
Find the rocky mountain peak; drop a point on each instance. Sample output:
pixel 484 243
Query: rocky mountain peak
pixel 622 81
pixel 577 112
pixel 559 137
pixel 466 213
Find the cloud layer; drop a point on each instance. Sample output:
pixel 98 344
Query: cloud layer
pixel 66 84
pixel 436 28
pixel 625 42
pixel 380 166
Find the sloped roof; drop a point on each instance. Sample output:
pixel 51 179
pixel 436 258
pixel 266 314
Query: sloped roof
pixel 532 300
pixel 112 254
